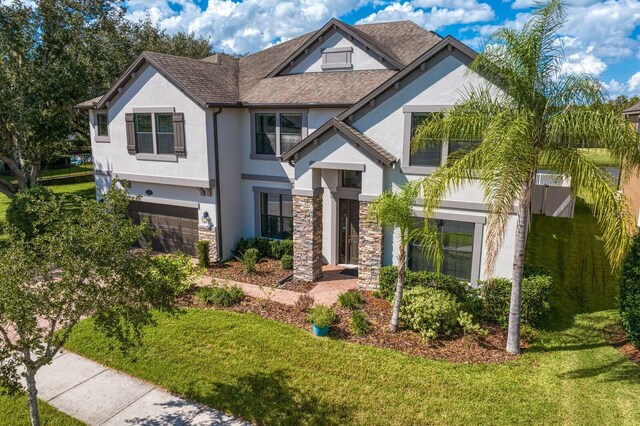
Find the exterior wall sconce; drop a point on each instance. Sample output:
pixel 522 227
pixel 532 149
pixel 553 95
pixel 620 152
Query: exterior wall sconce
pixel 148 192
pixel 206 219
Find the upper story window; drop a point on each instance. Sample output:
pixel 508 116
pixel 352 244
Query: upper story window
pixel 429 155
pixel 154 133
pixel 351 179
pixel 336 58
pixel 102 128
pixel 276 133
pixel 457 244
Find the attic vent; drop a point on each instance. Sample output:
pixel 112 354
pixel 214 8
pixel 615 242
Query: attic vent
pixel 336 58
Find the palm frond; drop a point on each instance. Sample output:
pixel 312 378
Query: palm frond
pixel 609 206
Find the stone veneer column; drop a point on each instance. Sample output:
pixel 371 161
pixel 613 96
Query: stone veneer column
pixel 369 250
pixel 204 233
pixel 307 237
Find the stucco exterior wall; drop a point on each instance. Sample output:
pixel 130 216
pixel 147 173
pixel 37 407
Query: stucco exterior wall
pixel 360 59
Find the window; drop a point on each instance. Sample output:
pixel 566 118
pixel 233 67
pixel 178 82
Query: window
pixel 276 215
pixel 101 125
pixel 164 133
pixel 336 57
pixel 154 133
pixel 457 243
pixel 266 134
pixel 144 133
pixel 351 179
pixel 462 146
pixel 290 131
pixel 429 155
pixel 277 132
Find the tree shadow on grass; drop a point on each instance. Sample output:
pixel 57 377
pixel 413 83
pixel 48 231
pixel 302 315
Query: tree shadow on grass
pixel 620 370
pixel 268 398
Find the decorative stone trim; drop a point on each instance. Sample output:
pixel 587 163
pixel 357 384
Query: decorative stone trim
pixel 307 237
pixel 370 250
pixel 204 233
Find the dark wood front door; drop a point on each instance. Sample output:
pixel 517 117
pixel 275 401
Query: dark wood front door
pixel 349 231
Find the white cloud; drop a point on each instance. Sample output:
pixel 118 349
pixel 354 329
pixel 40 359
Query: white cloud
pixel 523 4
pixel 434 14
pixel 242 26
pixel 584 63
pixel 634 83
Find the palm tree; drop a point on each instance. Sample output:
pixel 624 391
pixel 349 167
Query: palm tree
pixel 394 210
pixel 530 114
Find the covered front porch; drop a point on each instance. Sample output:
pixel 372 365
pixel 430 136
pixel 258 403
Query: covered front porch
pixel 337 175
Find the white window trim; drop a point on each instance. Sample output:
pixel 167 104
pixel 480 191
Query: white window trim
pixel 275 157
pixel 100 138
pixel 148 156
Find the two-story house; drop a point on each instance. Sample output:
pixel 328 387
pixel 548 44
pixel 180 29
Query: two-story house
pixel 293 141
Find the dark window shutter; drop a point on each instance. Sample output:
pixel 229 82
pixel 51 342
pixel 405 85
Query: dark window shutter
pixel 131 133
pixel 178 134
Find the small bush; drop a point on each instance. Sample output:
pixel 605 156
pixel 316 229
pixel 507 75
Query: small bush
pixel 279 248
pixel 321 316
pixel 496 299
pixel 203 253
pixel 387 281
pixel 286 262
pixel 528 333
pixel 267 248
pixel 430 311
pixel 305 302
pixel 351 299
pixel 630 293
pixel 175 269
pixel 224 296
pixel 469 327
pixel 250 259
pixel 359 323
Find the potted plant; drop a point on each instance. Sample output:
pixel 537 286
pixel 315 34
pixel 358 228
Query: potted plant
pixel 321 318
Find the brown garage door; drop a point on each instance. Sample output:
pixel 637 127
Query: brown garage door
pixel 177 227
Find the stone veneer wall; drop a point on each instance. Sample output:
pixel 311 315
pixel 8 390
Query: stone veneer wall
pixel 307 237
pixel 369 250
pixel 204 233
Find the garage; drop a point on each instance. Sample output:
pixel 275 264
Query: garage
pixel 177 227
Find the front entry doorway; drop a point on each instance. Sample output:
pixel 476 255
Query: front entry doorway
pixel 348 231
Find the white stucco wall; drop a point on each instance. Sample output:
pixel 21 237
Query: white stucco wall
pixel 360 58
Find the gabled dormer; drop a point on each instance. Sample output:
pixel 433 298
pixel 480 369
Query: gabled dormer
pixel 338 47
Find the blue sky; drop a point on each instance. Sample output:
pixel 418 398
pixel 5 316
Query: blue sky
pixel 600 37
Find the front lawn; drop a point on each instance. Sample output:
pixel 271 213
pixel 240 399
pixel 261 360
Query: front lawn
pixel 14 411
pixel 273 373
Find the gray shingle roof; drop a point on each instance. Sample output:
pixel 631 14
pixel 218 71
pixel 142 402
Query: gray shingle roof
pixel 632 109
pixel 224 80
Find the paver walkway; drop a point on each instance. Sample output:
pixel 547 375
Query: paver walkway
pixel 99 395
pixel 326 292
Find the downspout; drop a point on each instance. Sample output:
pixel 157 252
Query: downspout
pixel 219 257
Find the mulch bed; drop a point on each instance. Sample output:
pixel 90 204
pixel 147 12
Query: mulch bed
pixel 620 341
pixel 268 272
pixel 458 349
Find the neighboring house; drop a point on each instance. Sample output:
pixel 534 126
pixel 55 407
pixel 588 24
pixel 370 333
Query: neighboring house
pixel 294 141
pixel 630 179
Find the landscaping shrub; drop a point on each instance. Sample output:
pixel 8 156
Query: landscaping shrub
pixel 267 248
pixel 23 217
pixel 531 270
pixel 250 259
pixel 224 296
pixel 496 298
pixel 430 311
pixel 359 323
pixel 464 293
pixel 469 327
pixel 630 293
pixel 176 270
pixel 321 316
pixel 351 299
pixel 286 262
pixel 279 248
pixel 305 302
pixel 203 253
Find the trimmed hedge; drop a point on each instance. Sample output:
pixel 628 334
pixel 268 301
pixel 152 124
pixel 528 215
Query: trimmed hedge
pixel 203 254
pixel 630 293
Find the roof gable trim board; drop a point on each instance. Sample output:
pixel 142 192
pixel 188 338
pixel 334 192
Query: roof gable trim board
pixel 351 34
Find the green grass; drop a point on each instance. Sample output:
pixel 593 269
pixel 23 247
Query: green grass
pixel 14 411
pixel 600 156
pixel 68 171
pixel 272 373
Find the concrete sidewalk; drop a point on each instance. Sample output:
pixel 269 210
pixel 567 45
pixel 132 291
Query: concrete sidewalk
pixel 99 395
